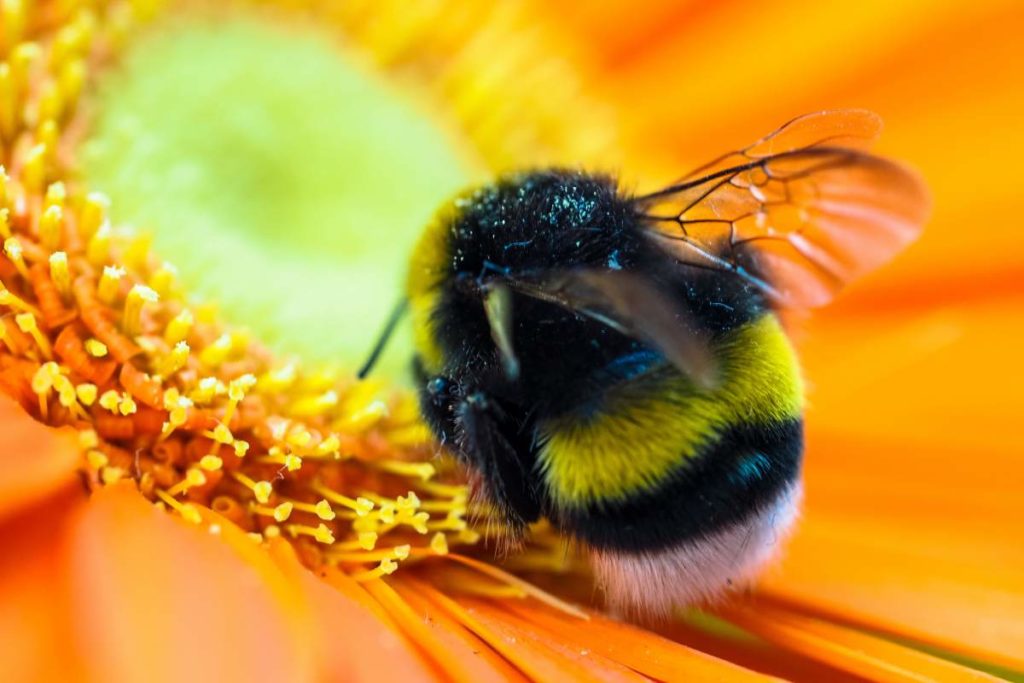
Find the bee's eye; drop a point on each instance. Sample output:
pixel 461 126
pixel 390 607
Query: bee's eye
pixel 436 386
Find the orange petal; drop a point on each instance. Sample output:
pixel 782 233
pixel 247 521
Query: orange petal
pixel 642 651
pixel 848 650
pixel 158 599
pixel 38 642
pixel 485 663
pixel 353 642
pixel 35 460
pixel 537 657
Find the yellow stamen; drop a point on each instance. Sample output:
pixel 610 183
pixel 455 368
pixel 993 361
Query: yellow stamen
pixel 51 227
pixel 111 475
pixel 361 420
pixel 138 297
pixel 97 251
pixel 422 470
pixel 60 274
pixel 278 380
pixel 5 221
pixel 217 352
pixel 236 392
pixel 361 506
pixel 33 171
pixel 27 324
pixel 14 252
pixel 175 360
pixel 93 214
pixel 260 489
pixel 186 510
pixel 109 284
pixel 88 438
pixel 193 477
pixel 179 327
pixel 162 279
pixel 321 533
pixel 136 253
pixel 309 406
pixel 241 448
pixel 324 511
pixel 386 566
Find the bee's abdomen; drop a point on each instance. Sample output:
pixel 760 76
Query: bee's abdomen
pixel 737 475
pixel 654 461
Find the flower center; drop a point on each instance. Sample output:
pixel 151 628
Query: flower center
pixel 280 178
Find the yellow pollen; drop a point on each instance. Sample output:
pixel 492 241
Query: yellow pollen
pixel 27 324
pixel 292 462
pixel 110 281
pixel 88 438
pixel 279 379
pixel 60 274
pixel 208 388
pixel 300 438
pixel 5 221
pixel 272 531
pixel 221 434
pixel 86 393
pixel 282 512
pixel 128 405
pixel 97 459
pixel 439 544
pixel 324 511
pixel 241 448
pixel 401 551
pixel 111 475
pixel 386 513
pixel 110 399
pixel 255 537
pixel 138 297
pixel 95 348
pixel 56 193
pixel 14 252
pixel 367 540
pixel 408 503
pixel 97 251
pixel 211 463
pixel 179 327
pixel 262 491
pixel 330 445
pixel 51 227
pixel 42 380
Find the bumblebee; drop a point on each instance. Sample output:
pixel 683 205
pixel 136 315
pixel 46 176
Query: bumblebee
pixel 615 362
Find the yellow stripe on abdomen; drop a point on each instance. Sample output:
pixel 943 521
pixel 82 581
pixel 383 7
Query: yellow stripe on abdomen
pixel 648 425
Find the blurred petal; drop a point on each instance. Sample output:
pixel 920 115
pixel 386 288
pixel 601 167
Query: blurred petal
pixel 158 599
pixel 35 460
pixel 353 642
pixel 39 639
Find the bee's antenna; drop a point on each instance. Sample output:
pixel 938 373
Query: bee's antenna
pixel 396 314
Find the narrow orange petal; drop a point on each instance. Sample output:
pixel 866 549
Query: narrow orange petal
pixel 158 599
pixel 486 664
pixel 858 653
pixel 535 656
pixel 35 460
pixel 353 643
pixel 38 642
pixel 642 651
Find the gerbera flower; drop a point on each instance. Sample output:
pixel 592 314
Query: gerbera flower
pixel 211 509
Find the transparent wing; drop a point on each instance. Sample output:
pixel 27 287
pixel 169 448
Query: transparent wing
pixel 634 306
pixel 799 213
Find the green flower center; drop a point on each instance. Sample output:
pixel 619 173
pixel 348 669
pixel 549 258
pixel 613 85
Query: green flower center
pixel 282 180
